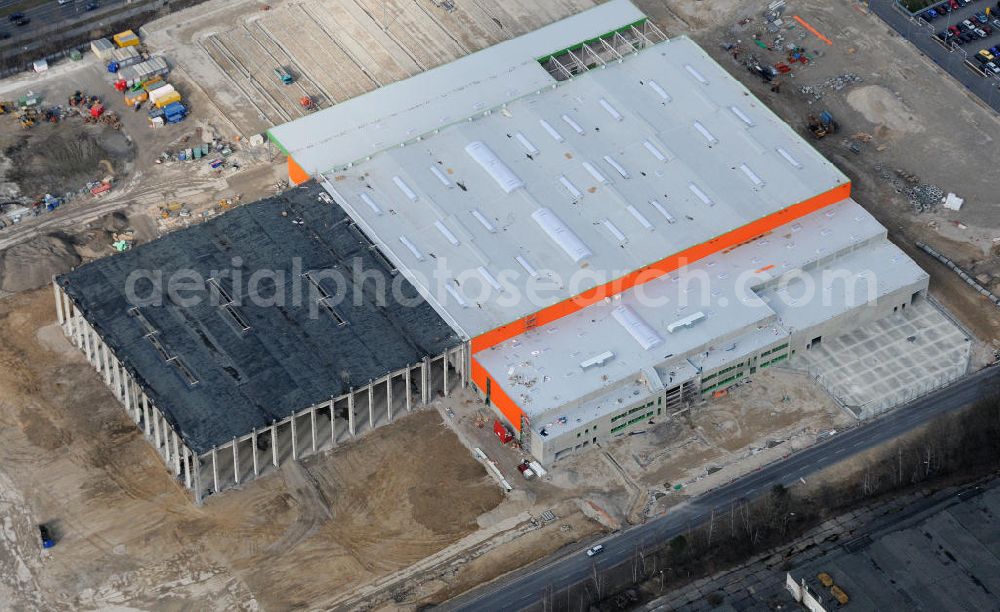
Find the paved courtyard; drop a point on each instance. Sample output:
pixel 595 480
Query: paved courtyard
pixel 891 361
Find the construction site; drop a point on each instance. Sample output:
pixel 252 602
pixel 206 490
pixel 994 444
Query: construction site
pixel 505 144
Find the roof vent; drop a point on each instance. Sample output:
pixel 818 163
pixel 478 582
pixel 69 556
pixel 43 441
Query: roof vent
pixel 788 158
pixel 594 172
pixel 551 130
pixel 697 75
pixel 750 174
pixel 597 360
pixel 561 234
pixel 412 247
pixel 494 166
pixel 704 132
pixel 611 109
pixel 441 176
pixel 530 269
pixel 611 162
pixel 528 146
pixel 700 194
pixel 659 90
pixel 455 294
pixel 640 331
pixel 687 321
pixel 447 233
pixel 492 280
pixel 570 187
pixel 573 124
pixel 641 218
pixel 663 211
pixel 743 116
pixel 409 193
pixel 617 233
pixel 660 155
pixel 483 221
pixel 367 199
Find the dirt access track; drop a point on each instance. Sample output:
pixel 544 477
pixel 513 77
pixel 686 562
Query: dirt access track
pixel 127 536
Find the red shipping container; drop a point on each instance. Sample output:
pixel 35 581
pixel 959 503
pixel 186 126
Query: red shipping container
pixel 502 432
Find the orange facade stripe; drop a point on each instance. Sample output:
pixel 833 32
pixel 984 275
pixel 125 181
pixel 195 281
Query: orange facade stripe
pixel 498 397
pixel 295 172
pixel 664 266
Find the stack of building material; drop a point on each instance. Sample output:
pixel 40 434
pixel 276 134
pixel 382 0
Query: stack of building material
pixel 126 56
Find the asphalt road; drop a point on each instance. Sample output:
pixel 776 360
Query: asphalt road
pixel 986 88
pixel 51 13
pixel 525 587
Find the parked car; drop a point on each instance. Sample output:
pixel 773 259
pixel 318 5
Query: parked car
pixel 981 33
pixel 595 550
pixel 15 16
pixel 992 67
pixel 944 9
pixel 985 55
pixel 954 4
pixel 967 25
pixel 981 17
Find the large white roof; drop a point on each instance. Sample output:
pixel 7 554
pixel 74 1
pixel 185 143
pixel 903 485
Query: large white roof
pixel 577 184
pixel 728 304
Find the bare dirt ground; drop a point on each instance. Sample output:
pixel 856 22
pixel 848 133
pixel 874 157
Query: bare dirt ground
pixel 921 121
pixel 129 538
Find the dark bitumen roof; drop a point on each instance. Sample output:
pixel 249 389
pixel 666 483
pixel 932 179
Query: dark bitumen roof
pixel 290 358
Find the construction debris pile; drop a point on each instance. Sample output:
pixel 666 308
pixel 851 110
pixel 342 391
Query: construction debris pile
pixel 835 83
pixel 923 197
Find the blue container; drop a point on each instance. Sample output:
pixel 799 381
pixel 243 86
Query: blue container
pixel 113 67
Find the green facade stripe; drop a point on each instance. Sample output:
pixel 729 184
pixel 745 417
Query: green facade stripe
pixel 276 142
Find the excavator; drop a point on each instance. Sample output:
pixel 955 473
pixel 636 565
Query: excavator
pixel 822 126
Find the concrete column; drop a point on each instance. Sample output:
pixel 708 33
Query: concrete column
pixel 86 343
pixel 409 388
pixel 333 421
pixel 166 438
pixel 59 305
pixel 312 421
pixel 177 452
pixel 98 353
pixel 73 326
pixel 215 471
pixel 253 449
pixel 446 362
pixel 146 425
pixel 116 376
pixel 461 365
pixel 127 391
pixel 236 460
pixel 371 404
pixel 156 432
pixel 187 467
pixel 274 444
pixel 196 474
pixel 388 399
pixel 425 381
pixel 350 412
pixel 107 366
pixel 295 441
pixel 68 313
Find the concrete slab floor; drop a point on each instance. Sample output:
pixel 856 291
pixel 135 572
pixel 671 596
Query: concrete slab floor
pixel 886 363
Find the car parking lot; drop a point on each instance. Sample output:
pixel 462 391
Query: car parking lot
pixel 971 27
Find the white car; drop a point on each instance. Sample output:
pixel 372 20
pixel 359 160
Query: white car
pixel 65 1
pixel 595 550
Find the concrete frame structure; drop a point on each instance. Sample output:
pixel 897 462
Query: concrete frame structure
pixel 312 430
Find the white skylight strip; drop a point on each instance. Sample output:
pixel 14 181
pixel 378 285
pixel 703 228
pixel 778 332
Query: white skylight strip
pixel 594 172
pixel 611 109
pixel 617 233
pixel 641 218
pixel 700 194
pixel 367 199
pixel 640 331
pixel 663 211
pixel 570 187
pixel 551 130
pixel 573 124
pixel 401 184
pixel 621 170
pixel 704 132
pixel 697 75
pixel 483 220
pixel 447 233
pixel 530 269
pixel 756 180
pixel 527 144
pixel 413 248
pixel 494 166
pixel 441 176
pixel 455 294
pixel 656 152
pixel 743 116
pixel 492 280
pixel 659 90
pixel 561 234
pixel 788 157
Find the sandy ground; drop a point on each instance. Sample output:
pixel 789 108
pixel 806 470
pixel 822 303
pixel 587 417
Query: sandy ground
pixel 130 538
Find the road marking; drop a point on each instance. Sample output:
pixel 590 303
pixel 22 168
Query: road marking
pixel 812 29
